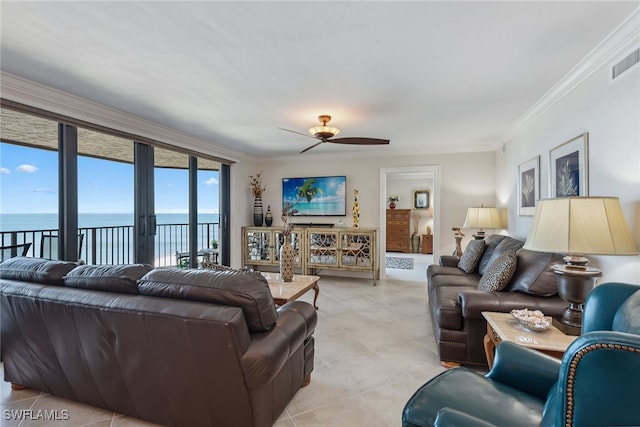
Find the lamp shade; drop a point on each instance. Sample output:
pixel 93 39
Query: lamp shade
pixel 482 218
pixel 580 225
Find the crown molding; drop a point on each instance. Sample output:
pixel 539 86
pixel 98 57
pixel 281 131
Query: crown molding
pixel 622 38
pixel 26 92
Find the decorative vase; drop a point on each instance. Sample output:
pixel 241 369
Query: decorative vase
pixel 415 243
pixel 268 218
pixel 356 210
pixel 287 257
pixel 258 215
pixel 392 205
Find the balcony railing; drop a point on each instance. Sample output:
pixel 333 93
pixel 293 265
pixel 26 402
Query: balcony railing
pixel 114 244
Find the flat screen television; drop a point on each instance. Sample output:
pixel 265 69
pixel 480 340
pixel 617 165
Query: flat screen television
pixel 316 196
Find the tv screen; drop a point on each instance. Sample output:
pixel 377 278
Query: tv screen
pixel 316 196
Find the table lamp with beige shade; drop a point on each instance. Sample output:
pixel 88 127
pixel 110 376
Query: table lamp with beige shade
pixel 578 226
pixel 482 218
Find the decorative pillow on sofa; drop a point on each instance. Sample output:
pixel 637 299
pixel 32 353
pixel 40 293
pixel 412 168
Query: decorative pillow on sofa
pixel 496 245
pixel 471 256
pixel 248 291
pixel 499 272
pixel 38 270
pixel 111 278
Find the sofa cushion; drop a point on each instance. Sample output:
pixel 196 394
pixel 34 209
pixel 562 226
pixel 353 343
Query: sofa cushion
pixel 471 256
pixel 533 274
pixel 248 291
pixel 490 243
pixel 38 270
pixel 440 270
pixel 490 254
pixel 468 280
pixel 499 272
pixel 112 278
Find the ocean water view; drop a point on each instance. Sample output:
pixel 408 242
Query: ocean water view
pixel 108 238
pixel 47 221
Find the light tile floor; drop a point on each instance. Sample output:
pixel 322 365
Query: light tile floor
pixel 374 348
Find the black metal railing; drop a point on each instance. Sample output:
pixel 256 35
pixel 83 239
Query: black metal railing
pixel 114 244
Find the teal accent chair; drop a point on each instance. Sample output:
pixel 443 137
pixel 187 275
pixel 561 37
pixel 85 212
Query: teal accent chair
pixel 597 383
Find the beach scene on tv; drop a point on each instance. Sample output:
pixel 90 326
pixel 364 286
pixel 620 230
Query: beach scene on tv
pixel 315 196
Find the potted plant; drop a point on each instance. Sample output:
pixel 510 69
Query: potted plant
pixel 392 201
pixel 214 244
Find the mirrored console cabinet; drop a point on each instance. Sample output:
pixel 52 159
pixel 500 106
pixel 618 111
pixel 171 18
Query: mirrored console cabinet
pixel 347 249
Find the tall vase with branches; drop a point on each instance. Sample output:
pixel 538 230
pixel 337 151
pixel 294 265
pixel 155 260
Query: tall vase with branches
pixel 308 191
pixel 256 188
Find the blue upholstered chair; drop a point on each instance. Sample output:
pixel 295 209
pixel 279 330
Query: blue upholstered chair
pixel 597 383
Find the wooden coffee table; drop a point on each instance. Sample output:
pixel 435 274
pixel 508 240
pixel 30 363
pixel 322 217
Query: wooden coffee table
pixel 284 292
pixel 503 327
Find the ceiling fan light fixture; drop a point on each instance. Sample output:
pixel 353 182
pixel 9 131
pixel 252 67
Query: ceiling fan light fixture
pixel 324 131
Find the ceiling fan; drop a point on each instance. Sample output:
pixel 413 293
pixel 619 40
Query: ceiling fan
pixel 326 133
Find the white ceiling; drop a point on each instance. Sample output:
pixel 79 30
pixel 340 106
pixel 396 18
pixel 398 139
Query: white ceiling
pixel 430 76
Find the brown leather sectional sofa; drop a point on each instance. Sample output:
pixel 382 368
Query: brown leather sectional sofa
pixel 456 304
pixel 174 347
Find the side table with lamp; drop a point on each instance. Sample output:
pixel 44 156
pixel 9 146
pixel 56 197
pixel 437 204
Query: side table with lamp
pixel 578 226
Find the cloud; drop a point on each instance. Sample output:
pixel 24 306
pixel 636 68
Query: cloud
pixel 26 168
pixel 4 171
pixel 211 181
pixel 43 190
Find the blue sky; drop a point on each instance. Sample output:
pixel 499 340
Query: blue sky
pixel 29 184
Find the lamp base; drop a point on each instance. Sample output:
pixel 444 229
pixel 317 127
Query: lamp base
pixel 566 329
pixel 480 234
pixel 574 284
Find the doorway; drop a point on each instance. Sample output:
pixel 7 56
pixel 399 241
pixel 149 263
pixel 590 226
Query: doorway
pixel 406 180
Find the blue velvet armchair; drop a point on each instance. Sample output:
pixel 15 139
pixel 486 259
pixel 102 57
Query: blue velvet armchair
pixel 597 383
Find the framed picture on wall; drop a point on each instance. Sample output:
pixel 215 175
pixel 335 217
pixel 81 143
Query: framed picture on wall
pixel 528 186
pixel 421 199
pixel 568 168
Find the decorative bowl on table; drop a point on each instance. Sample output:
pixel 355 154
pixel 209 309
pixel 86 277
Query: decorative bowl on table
pixel 532 320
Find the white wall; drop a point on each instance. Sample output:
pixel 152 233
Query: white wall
pixel 610 113
pixel 467 179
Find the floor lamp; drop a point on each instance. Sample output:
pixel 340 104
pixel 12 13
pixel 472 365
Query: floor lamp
pixel 578 226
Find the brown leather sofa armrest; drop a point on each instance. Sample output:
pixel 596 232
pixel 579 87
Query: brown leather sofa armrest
pixel 473 303
pixel 449 260
pixel 306 313
pixel 270 350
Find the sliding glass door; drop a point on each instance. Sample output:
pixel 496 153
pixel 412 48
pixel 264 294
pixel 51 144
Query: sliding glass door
pixel 105 199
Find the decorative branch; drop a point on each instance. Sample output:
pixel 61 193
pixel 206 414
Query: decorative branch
pixel 255 185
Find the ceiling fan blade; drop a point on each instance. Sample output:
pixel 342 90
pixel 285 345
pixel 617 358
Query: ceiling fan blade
pixel 359 141
pixel 299 133
pixel 309 148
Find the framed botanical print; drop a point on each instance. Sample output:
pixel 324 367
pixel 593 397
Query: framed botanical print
pixel 569 168
pixel 528 186
pixel 421 199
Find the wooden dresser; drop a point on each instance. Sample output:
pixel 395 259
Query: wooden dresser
pixel 399 230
